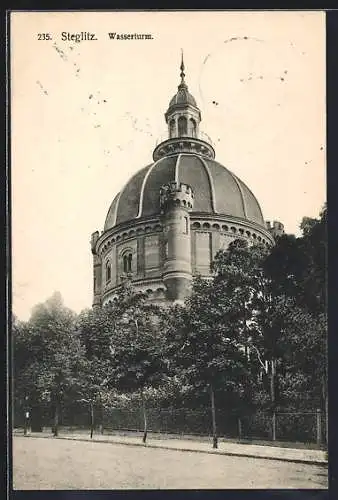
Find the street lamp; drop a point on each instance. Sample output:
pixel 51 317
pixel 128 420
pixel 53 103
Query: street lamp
pixel 26 421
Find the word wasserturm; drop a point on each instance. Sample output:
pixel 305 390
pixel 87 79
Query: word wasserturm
pixel 130 36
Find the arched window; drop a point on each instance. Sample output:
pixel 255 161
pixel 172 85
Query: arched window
pixel 192 127
pixel 172 128
pixel 108 271
pixel 130 258
pixel 182 126
pixel 127 263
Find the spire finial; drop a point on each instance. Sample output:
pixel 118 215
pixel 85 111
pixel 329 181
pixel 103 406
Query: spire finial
pixel 182 68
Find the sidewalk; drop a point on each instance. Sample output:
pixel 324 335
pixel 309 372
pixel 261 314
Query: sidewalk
pixel 306 456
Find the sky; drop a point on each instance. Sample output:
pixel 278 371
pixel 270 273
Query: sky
pixel 86 115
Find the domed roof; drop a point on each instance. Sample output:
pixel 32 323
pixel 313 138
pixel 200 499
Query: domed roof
pixel 216 190
pixel 183 96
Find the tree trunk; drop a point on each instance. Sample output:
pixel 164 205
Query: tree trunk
pixel 239 429
pixel 35 417
pixel 326 419
pixel 213 414
pixel 325 406
pixel 26 423
pixel 101 414
pixel 145 431
pixel 56 421
pixel 91 419
pixel 273 399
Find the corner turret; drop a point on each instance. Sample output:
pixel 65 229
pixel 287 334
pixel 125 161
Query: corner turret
pixel 276 229
pixel 176 200
pixel 97 265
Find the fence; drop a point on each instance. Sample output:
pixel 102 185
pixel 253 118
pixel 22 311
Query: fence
pixel 302 427
pixel 306 427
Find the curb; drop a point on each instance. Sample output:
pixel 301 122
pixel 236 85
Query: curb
pixel 323 463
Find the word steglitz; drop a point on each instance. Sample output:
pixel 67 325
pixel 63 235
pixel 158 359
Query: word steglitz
pixel 78 37
pixel 130 36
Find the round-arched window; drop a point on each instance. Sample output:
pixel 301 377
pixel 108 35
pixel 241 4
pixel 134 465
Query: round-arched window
pixel 192 127
pixel 172 127
pixel 108 271
pixel 182 123
pixel 127 262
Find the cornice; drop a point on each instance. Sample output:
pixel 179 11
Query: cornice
pixel 138 227
pixel 183 144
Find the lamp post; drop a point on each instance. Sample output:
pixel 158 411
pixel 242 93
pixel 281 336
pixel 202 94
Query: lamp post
pixel 26 420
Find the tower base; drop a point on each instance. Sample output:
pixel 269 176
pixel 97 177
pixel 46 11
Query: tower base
pixel 178 288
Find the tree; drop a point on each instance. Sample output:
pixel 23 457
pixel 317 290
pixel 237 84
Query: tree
pixel 94 378
pixel 296 273
pixel 137 347
pixel 126 343
pixel 202 343
pixel 304 347
pixel 53 357
pixel 314 244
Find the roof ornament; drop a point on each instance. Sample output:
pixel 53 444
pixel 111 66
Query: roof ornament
pixel 182 74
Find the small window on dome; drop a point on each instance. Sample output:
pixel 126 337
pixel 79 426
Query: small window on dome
pixel 172 128
pixel 192 124
pixel 182 123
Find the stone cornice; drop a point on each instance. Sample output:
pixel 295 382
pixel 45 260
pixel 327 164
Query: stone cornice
pixel 183 145
pixel 128 230
pixel 203 217
pixel 142 282
pixel 138 227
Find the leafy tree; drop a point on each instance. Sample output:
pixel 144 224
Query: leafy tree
pixel 53 356
pixel 126 343
pixel 314 244
pixel 304 367
pixel 203 345
pixel 94 378
pixel 137 348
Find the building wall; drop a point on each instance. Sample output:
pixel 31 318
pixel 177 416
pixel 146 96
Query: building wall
pixel 146 243
pixel 152 255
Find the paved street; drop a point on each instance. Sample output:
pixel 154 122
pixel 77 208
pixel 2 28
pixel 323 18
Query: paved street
pixel 63 464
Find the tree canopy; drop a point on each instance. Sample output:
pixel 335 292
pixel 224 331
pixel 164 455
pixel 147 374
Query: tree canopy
pixel 261 309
